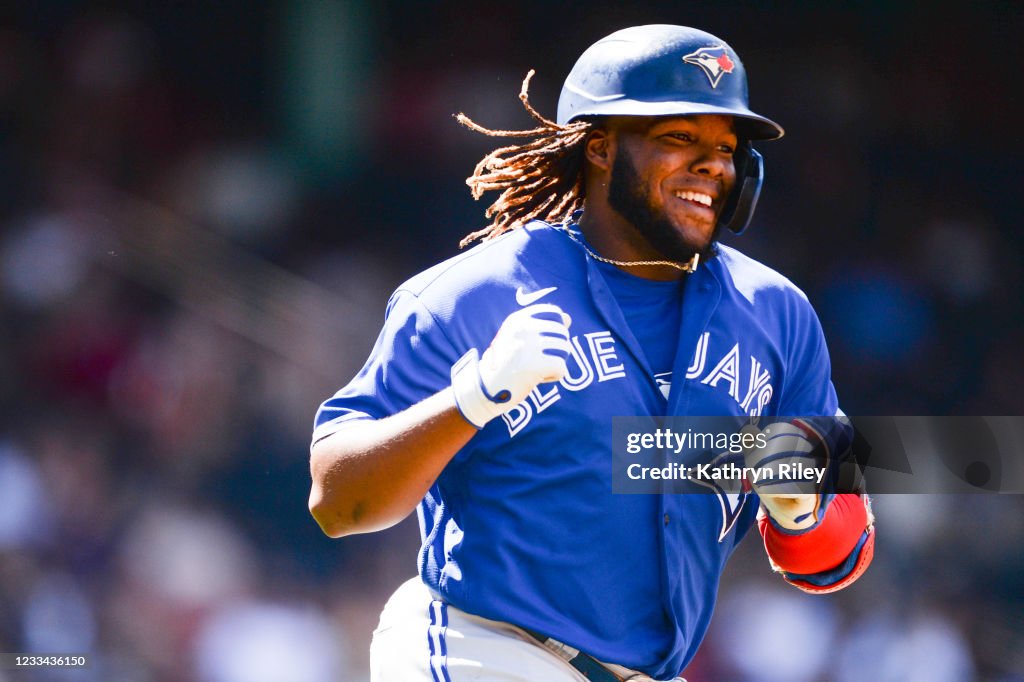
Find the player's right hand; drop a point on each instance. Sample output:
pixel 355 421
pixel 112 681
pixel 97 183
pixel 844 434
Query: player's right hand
pixel 530 348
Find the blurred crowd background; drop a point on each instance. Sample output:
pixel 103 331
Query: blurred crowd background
pixel 203 210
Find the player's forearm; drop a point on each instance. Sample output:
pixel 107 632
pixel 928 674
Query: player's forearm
pixel 372 473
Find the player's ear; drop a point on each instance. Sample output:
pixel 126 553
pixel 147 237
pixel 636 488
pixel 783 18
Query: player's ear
pixel 597 148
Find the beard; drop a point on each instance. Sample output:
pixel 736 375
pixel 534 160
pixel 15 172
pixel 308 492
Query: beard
pixel 630 197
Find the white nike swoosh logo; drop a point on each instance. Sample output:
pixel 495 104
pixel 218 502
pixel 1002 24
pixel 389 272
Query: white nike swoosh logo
pixel 525 299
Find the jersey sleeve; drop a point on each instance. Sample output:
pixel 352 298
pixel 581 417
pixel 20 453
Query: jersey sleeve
pixel 410 361
pixel 807 390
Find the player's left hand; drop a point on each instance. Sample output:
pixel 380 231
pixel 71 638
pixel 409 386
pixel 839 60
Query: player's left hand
pixel 793 503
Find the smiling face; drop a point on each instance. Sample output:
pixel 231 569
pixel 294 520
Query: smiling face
pixel 668 179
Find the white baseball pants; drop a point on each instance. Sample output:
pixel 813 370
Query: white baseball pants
pixel 422 639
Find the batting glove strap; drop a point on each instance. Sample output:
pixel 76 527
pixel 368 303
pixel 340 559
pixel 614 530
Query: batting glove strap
pixel 471 397
pixel 795 514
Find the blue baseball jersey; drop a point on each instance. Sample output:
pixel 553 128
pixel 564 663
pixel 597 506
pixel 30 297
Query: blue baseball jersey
pixel 522 525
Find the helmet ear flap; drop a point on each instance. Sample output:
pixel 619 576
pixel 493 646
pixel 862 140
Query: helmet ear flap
pixel 739 208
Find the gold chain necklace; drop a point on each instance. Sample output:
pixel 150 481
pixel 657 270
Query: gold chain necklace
pixel 687 267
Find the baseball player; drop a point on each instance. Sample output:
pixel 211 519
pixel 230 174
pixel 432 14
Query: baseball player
pixel 598 290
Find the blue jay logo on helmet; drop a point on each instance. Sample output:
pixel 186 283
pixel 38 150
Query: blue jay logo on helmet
pixel 713 61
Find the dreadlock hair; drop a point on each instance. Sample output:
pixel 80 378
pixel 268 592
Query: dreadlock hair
pixel 539 180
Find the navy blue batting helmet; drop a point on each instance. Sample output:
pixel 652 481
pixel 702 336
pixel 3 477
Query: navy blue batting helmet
pixel 664 70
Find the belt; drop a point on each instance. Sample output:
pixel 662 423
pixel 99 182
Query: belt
pixel 588 666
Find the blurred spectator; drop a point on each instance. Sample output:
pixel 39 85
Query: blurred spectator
pixel 25 521
pixel 776 634
pixel 904 648
pixel 266 642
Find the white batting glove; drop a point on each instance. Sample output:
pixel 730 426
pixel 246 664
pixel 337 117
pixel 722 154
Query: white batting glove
pixel 530 348
pixel 782 496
